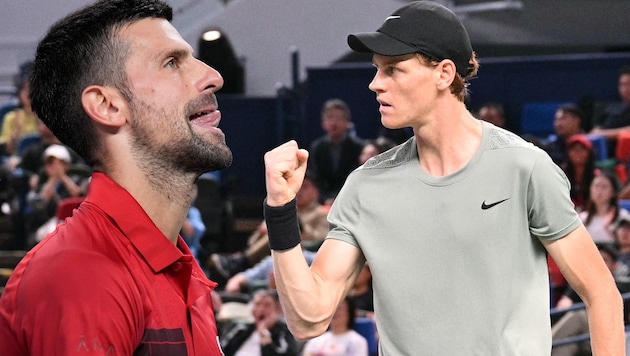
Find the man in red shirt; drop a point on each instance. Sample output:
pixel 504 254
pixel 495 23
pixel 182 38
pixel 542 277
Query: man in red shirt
pixel 117 83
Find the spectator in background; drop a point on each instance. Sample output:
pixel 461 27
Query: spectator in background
pixel 602 210
pixel 361 293
pixel 313 224
pixel 258 275
pixel 266 334
pixel 336 154
pixel 575 322
pixel 616 117
pixel 622 238
pixel 55 185
pixel 567 122
pixel 22 120
pixel 340 339
pixel 580 168
pixel 492 113
pixel 31 159
pixel 193 228
pixel 375 147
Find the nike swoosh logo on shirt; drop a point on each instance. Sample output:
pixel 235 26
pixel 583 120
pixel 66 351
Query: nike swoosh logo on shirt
pixel 485 206
pixel 392 17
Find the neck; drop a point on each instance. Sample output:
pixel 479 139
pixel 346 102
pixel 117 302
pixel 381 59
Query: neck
pixel 448 141
pixel 164 195
pixel 602 208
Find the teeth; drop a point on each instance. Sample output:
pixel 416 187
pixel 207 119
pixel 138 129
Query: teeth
pixel 194 116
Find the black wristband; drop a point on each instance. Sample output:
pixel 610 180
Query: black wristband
pixel 283 227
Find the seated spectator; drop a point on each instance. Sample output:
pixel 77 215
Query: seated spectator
pixel 580 168
pixel 568 121
pixel 193 228
pixel 57 184
pixel 616 117
pixel 492 113
pixel 265 334
pixel 334 155
pixel 258 275
pixel 313 224
pixel 375 147
pixel 65 208
pixel 21 121
pixel 340 339
pixel 574 323
pixel 362 294
pixel 30 161
pixel 622 238
pixel 602 209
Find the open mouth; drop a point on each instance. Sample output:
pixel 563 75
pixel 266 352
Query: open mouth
pixel 198 115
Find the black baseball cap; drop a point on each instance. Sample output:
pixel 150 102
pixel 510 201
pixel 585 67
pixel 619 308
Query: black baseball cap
pixel 420 27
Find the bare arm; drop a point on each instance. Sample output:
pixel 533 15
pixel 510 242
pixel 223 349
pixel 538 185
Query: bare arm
pixel 309 296
pixel 583 267
pixel 609 134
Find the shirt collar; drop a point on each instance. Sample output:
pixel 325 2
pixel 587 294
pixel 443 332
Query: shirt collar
pixel 134 223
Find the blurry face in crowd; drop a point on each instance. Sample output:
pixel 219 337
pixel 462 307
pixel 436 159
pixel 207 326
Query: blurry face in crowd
pixel 601 190
pixel 622 234
pixel 335 123
pixel 265 310
pixel 578 154
pixel 491 115
pixel 624 88
pixel 565 124
pixel 369 151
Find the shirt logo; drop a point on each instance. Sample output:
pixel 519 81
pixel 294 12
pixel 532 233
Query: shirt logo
pixel 392 17
pixel 485 206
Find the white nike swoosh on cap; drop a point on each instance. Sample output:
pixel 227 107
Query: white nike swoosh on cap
pixel 392 17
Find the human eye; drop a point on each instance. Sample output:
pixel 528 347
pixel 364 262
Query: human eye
pixel 171 63
pixel 390 70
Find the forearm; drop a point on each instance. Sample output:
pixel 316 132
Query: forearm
pixel 47 192
pixel 606 324
pixel 73 189
pixel 307 304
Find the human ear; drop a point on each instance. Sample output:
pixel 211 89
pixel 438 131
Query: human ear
pixel 105 105
pixel 447 72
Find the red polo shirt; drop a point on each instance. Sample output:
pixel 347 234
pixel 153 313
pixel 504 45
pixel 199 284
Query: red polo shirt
pixel 108 282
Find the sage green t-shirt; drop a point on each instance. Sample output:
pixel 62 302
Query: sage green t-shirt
pixel 458 266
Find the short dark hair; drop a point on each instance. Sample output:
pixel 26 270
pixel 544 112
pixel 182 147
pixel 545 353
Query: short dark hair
pixel 624 71
pixel 80 50
pixel 609 249
pixel 337 104
pixel 574 110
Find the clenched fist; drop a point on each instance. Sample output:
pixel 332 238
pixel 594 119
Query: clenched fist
pixel 285 167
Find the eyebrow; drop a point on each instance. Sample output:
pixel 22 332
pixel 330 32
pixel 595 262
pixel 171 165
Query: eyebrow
pixel 388 60
pixel 176 53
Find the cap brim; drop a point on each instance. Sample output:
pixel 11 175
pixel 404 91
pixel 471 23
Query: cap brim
pixel 379 43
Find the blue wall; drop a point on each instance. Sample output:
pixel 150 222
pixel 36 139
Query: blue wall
pixel 249 125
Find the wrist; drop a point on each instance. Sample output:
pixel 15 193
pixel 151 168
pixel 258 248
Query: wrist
pixel 283 227
pixel 265 337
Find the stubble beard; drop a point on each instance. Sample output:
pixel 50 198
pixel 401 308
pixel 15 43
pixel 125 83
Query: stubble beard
pixel 187 152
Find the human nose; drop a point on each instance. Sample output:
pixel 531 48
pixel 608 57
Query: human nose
pixel 376 85
pixel 210 79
